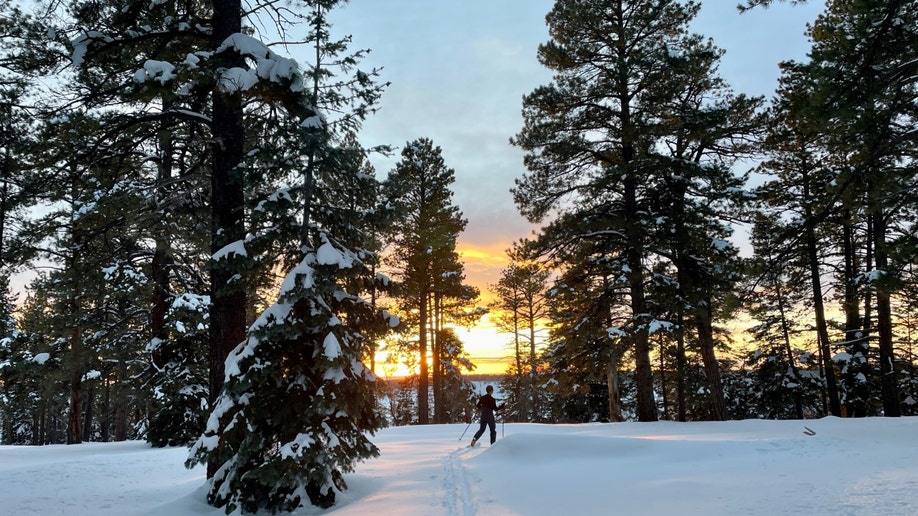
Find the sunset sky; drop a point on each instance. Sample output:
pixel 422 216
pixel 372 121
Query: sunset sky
pixel 459 70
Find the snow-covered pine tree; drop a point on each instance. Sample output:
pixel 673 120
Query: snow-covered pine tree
pixel 591 140
pixel 863 63
pixel 33 410
pixel 178 384
pixel 92 225
pixel 856 98
pixel 197 65
pixel 703 131
pixel 105 46
pixel 297 403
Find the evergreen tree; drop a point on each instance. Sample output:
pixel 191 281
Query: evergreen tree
pixel 703 130
pixel 865 98
pixel 774 302
pixel 585 348
pixel 297 404
pixel 803 171
pixel 631 85
pixel 426 226
pixel 34 406
pixel 519 310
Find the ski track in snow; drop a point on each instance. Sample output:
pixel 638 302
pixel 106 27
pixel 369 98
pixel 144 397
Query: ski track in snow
pixel 458 498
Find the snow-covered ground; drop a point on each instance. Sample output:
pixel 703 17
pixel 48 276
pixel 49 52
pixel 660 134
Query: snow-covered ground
pixel 849 467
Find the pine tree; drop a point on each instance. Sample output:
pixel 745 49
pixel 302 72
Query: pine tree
pixel 34 409
pixel 774 302
pixel 188 89
pixel 802 170
pixel 866 96
pixel 704 129
pixel 519 310
pixel 297 404
pixel 629 80
pixel 426 226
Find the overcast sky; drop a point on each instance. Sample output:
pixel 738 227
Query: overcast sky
pixel 459 70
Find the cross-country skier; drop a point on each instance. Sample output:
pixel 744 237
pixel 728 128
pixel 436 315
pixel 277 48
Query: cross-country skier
pixel 487 406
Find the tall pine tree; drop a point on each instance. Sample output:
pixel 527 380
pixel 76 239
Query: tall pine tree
pixel 425 229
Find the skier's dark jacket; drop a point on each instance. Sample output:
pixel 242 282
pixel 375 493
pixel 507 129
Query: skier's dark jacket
pixel 487 405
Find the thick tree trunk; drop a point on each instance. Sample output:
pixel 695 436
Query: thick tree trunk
pixel 640 340
pixel 693 289
pixel 228 299
pixel 888 381
pixel 160 262
pixel 709 360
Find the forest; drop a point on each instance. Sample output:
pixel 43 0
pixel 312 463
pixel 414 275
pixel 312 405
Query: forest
pixel 215 263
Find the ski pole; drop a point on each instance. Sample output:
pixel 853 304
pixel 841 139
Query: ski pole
pixel 466 430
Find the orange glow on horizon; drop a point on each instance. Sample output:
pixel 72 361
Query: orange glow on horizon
pixel 490 350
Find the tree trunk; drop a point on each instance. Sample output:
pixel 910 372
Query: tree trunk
pixel 681 370
pixel 785 334
pixel 121 403
pixel 105 424
pixel 822 330
pixel 709 359
pixel 533 364
pixel 889 383
pixel 74 421
pixel 437 354
pixel 518 357
pixel 228 299
pixel 855 334
pixel 423 378
pixel 4 201
pixel 160 261
pixel 612 383
pixel 646 405
pixel 88 411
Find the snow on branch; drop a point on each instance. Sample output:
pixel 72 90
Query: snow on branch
pixel 159 71
pixel 268 66
pixel 237 248
pixel 81 44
